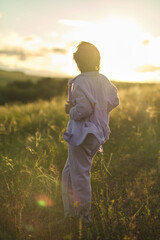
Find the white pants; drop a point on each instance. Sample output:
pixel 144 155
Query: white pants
pixel 76 187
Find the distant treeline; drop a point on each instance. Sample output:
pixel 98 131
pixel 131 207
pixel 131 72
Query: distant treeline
pixel 44 88
pixel 29 91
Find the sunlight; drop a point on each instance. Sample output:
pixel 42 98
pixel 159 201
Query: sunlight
pixel 126 49
pixel 118 46
pixel 154 51
pixel 120 42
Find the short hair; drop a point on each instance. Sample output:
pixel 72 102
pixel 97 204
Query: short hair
pixel 87 57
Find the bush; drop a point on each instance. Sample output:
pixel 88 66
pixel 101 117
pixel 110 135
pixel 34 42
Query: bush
pixel 27 91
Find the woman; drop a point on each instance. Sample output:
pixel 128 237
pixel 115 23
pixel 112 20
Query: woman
pixel 91 98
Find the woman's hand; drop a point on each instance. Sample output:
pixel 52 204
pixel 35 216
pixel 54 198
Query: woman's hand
pixel 68 106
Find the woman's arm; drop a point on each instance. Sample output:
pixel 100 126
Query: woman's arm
pixel 82 107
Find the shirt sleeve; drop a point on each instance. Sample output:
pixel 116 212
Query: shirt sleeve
pixel 114 99
pixel 82 106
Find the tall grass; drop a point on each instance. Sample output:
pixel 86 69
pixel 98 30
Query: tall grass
pixel 125 179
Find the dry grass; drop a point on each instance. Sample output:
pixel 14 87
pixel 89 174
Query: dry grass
pixel 125 179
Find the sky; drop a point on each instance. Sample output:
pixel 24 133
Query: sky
pixel 39 37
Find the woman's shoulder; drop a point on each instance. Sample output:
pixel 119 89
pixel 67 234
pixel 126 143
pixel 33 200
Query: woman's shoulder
pixel 85 80
pixel 104 78
pixel 72 80
pixel 107 81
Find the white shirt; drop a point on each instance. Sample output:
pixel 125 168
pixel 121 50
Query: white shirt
pixel 93 97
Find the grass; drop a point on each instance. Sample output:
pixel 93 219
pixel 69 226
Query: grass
pixel 125 179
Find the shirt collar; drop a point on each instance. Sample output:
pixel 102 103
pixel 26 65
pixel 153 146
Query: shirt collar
pixel 95 73
pixel 87 74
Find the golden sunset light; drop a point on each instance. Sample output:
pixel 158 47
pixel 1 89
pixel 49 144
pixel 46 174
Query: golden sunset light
pixel 44 44
pixel 79 119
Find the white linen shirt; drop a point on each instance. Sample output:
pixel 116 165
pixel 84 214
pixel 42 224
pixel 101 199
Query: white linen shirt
pixel 93 97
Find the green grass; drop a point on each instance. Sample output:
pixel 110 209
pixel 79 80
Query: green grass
pixel 125 179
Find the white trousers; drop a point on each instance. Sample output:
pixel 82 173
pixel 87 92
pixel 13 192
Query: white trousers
pixel 76 187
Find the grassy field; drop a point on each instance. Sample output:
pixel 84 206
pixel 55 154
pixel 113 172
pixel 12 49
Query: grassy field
pixel 125 179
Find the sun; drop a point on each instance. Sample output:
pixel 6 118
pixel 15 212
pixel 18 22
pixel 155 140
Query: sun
pixel 119 40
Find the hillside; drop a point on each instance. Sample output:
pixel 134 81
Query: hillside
pixel 11 76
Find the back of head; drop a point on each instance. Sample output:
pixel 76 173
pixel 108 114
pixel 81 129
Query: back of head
pixel 87 57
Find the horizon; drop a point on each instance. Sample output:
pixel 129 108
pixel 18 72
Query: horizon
pixel 41 40
pixel 70 77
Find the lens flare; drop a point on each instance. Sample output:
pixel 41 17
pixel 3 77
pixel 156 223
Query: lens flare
pixel 43 200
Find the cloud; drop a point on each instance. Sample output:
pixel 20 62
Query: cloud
pixel 28 39
pixel 23 54
pixel 146 42
pixel 20 53
pixel 59 50
pixel 34 54
pixel 147 68
pixel 17 52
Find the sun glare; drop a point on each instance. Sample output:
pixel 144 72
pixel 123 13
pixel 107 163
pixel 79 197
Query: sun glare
pixel 127 52
pixel 119 40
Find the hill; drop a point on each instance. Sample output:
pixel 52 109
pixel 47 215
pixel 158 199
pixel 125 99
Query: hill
pixel 11 76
